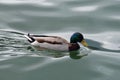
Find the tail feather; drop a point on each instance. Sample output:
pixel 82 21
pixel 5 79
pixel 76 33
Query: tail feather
pixel 30 39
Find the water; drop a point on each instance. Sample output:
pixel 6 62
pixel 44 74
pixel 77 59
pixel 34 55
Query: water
pixel 97 20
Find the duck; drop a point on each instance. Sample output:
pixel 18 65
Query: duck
pixel 56 43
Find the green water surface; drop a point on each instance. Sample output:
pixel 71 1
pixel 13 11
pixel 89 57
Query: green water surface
pixel 98 20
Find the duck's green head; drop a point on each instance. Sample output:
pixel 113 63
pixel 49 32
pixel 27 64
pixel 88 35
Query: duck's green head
pixel 78 37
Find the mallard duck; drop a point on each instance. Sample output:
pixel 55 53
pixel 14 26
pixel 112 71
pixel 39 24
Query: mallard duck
pixel 57 43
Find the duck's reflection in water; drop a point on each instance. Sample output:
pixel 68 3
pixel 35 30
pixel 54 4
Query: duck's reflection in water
pixel 76 55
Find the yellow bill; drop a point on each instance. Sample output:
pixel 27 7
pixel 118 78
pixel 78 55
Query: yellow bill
pixel 84 43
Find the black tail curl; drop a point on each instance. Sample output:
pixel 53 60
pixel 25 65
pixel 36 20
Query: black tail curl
pixel 30 38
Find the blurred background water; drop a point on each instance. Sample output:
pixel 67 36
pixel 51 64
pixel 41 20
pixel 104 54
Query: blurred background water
pixel 98 20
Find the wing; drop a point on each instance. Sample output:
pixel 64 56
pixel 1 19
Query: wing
pixel 50 39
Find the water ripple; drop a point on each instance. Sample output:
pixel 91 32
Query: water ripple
pixel 107 41
pixel 39 2
pixel 85 8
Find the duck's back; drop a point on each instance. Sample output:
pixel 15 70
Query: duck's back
pixel 52 43
pixel 51 39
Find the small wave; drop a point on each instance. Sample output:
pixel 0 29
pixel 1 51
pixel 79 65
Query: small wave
pixel 106 41
pixel 39 2
pixel 85 8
